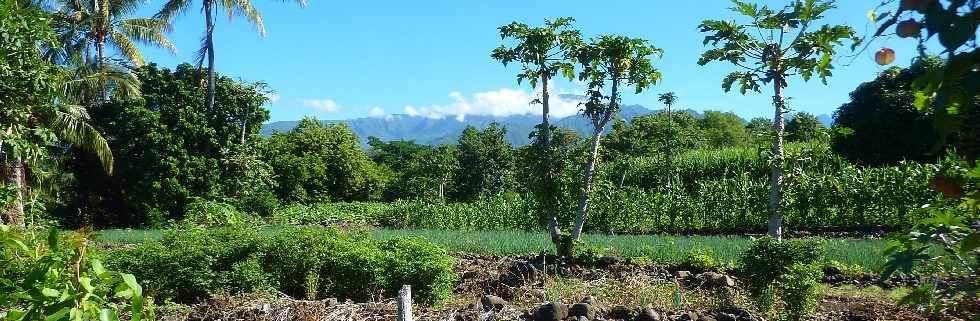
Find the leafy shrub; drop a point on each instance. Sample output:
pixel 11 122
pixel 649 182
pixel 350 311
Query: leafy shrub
pixel 767 263
pixel 584 253
pixel 798 287
pixel 310 262
pixel 207 213
pixel 852 270
pixel 52 278
pixel 699 260
pixel 193 264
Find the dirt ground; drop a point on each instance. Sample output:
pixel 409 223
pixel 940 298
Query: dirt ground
pixel 518 288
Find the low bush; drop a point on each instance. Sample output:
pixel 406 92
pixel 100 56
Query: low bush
pixel 774 271
pixel 584 253
pixel 207 213
pixel 189 265
pixel 699 260
pixel 193 264
pixel 798 288
pixel 313 262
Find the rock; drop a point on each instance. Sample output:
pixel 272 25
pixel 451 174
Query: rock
pixel 588 300
pixel 580 318
pixel 330 302
pixel 492 302
pixel 607 261
pixel 722 316
pixel 716 280
pixel 582 309
pixel 620 312
pixel 706 318
pixel 689 316
pixel 551 311
pixel 682 274
pixel 648 314
pixel 520 273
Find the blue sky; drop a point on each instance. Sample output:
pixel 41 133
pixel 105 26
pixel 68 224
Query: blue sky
pixel 347 59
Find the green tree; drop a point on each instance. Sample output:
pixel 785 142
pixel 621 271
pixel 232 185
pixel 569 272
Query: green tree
pixel 723 129
pixel 804 127
pixel 616 61
pixel 542 52
pixel 173 8
pixel 168 151
pixel 485 162
pixel 770 49
pixel 32 113
pixel 318 163
pixel 880 125
pixel 395 154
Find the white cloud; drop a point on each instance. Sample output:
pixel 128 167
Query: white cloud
pixel 273 97
pixel 500 103
pixel 378 112
pixel 327 105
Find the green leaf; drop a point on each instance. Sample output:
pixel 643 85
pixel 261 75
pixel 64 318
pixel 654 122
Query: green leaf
pixel 49 292
pixel 131 282
pixel 59 315
pixel 53 239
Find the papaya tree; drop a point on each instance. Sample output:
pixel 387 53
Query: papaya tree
pixel 615 61
pixel 769 48
pixel 669 98
pixel 543 53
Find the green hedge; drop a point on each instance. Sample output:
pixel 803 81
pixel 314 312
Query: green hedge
pixel 193 264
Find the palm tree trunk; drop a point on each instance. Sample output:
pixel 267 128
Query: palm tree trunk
pixel 776 176
pixel 670 135
pixel 583 201
pixel 208 7
pixel 547 176
pixel 13 174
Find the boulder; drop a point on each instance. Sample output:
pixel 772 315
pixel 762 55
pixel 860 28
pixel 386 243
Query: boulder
pixel 648 314
pixel 551 311
pixel 716 280
pixel 722 316
pixel 588 300
pixel 582 309
pixel 689 316
pixel 682 274
pixel 607 261
pixel 620 312
pixel 492 302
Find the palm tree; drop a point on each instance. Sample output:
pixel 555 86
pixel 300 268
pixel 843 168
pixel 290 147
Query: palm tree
pixel 174 8
pixel 668 98
pixel 84 26
pixel 68 123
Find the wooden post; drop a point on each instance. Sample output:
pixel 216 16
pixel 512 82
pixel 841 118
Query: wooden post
pixel 405 303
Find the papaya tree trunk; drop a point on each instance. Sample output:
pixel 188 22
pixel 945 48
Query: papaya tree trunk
pixel 776 175
pixel 600 125
pixel 547 175
pixel 670 136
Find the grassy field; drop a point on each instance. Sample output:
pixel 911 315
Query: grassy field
pixel 659 248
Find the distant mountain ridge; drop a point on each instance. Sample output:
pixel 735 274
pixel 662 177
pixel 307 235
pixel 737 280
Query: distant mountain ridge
pixel 433 131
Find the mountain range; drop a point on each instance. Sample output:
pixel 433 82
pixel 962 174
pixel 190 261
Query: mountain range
pixel 434 131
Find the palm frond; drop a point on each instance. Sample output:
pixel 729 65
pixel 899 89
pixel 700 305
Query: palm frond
pixel 148 31
pixel 91 78
pixel 172 9
pixel 126 47
pixel 247 10
pixel 71 125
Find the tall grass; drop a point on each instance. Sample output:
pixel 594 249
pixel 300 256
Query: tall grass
pixel 659 248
